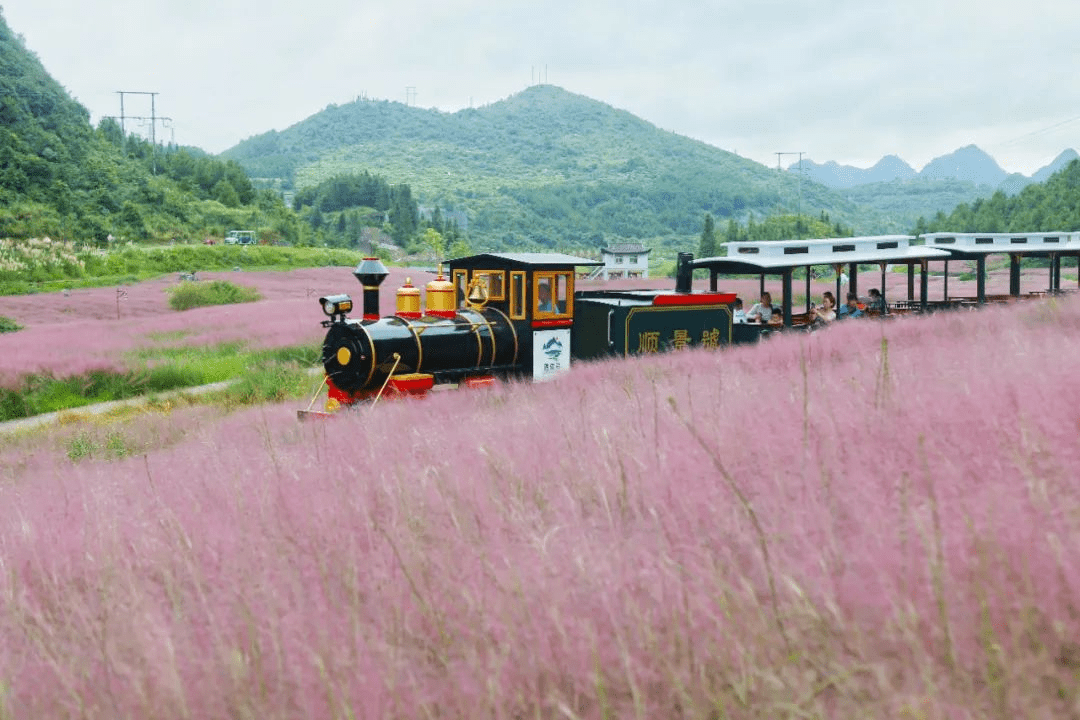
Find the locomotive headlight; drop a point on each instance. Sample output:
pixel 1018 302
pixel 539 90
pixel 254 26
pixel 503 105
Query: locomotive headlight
pixel 336 304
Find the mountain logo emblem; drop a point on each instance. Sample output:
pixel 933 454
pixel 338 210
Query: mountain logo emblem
pixel 553 348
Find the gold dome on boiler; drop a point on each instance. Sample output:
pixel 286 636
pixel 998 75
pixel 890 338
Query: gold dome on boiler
pixel 441 300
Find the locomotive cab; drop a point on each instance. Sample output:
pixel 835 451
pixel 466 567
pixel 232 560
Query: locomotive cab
pixel 535 292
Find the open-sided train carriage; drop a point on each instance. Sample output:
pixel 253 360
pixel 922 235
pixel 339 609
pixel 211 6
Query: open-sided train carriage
pixel 781 259
pixel 977 247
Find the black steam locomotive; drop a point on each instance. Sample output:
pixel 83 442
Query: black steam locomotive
pixel 503 315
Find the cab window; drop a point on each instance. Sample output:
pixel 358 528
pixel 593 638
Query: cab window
pixel 517 295
pixel 461 286
pixel 494 283
pixel 553 294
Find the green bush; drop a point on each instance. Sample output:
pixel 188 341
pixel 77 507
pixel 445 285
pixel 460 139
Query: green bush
pixel 8 325
pixel 219 292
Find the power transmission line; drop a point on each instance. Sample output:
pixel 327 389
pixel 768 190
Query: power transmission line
pixel 154 119
pixel 1041 131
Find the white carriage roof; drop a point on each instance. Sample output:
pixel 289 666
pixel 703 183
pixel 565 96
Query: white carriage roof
pixel 990 243
pixel 783 254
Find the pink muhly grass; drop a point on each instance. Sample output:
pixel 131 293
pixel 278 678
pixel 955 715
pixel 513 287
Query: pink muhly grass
pixel 869 521
pixel 68 336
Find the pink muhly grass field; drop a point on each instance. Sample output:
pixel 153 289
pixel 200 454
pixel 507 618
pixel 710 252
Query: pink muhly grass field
pixel 876 520
pixel 73 334
pixel 76 332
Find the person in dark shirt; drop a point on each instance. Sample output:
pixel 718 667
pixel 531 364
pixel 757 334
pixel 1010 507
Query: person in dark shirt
pixel 877 303
pixel 851 308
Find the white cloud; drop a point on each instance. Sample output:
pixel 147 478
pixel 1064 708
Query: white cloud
pixel 844 80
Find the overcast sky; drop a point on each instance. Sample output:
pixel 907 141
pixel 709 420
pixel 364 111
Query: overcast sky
pixel 843 80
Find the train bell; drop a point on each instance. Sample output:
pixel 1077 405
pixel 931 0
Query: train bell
pixel 478 295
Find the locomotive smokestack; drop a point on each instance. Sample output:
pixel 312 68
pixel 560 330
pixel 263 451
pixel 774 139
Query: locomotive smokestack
pixel 684 273
pixel 371 272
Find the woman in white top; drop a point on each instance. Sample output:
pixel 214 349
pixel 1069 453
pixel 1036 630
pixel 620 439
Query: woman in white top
pixel 827 311
pixel 762 311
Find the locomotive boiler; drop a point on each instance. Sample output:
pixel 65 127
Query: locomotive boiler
pixel 443 344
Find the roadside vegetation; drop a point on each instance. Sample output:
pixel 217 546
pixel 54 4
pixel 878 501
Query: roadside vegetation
pixel 256 376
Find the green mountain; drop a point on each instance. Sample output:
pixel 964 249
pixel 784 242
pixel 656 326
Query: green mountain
pixel 1053 205
pixel 63 178
pixel 544 168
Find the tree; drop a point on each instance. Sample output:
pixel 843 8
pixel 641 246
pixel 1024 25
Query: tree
pixel 433 239
pixel 707 247
pixel 460 248
pixel 733 233
pixel 132 218
pixel 225 194
pixel 403 213
pixel 315 219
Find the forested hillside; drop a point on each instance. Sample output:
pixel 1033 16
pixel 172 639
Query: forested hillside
pixel 545 168
pixel 1050 206
pixel 62 178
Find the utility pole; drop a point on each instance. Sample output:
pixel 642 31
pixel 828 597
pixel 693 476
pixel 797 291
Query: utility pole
pixel 154 119
pixel 410 94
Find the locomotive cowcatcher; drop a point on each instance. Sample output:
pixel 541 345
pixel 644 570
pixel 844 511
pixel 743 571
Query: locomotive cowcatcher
pixel 501 315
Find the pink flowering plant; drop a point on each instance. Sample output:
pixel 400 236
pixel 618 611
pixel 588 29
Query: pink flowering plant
pixel 96 344
pixel 876 520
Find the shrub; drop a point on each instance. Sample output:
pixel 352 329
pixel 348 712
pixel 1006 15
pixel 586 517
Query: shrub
pixel 219 292
pixel 8 325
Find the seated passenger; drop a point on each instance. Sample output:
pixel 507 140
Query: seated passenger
pixel 877 303
pixel 850 308
pixel 777 317
pixel 762 311
pixel 827 311
pixel 543 297
pixel 739 316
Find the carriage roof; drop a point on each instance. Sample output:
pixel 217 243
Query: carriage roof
pixel 781 255
pixel 973 245
pixel 521 261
